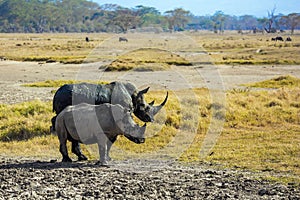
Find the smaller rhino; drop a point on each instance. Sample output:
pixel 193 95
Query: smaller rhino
pixel 90 124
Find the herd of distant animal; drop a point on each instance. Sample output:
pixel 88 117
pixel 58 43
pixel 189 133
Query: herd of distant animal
pixel 279 38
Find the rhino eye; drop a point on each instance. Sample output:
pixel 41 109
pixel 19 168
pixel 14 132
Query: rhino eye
pixel 142 107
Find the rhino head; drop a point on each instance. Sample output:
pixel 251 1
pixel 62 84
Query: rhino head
pixel 130 129
pixel 143 110
pixel 136 135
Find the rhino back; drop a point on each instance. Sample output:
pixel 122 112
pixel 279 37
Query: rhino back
pixel 72 94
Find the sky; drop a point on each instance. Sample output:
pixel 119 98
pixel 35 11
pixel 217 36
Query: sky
pixel 258 8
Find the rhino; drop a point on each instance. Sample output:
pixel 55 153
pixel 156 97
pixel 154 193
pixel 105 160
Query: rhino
pixel 125 94
pixel 123 39
pixel 90 124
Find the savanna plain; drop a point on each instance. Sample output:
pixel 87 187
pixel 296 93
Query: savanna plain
pixel 230 128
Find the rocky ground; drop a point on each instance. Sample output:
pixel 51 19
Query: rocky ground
pixel 24 178
pixel 132 179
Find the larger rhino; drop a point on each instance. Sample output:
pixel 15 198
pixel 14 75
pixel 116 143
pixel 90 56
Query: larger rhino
pixel 90 124
pixel 125 94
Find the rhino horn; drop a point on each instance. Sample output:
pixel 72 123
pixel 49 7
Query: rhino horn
pixel 156 109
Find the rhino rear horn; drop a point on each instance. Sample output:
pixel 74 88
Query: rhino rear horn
pixel 156 109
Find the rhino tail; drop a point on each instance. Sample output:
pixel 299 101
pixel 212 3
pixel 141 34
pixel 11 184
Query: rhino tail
pixel 52 128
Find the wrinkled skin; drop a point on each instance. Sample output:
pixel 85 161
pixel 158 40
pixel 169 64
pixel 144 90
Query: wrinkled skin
pixel 90 124
pixel 125 94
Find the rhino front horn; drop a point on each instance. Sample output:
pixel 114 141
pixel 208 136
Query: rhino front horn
pixel 156 109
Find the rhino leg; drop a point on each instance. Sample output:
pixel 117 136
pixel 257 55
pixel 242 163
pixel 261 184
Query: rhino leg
pixel 64 151
pixel 62 136
pixel 109 144
pixel 77 151
pixel 102 147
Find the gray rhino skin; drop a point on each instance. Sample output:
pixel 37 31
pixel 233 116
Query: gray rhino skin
pixel 125 94
pixel 90 124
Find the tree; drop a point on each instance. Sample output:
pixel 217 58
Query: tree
pixel 177 18
pixel 248 22
pixel 270 21
pixel 291 21
pixel 124 19
pixel 218 21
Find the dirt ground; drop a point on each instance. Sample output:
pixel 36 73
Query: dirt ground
pixel 26 178
pixel 14 74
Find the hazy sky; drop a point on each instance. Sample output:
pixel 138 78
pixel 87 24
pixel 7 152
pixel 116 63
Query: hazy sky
pixel 258 8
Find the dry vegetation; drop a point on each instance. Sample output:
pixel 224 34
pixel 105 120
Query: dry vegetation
pixel 146 59
pixel 261 130
pixel 250 48
pixel 65 48
pixel 229 48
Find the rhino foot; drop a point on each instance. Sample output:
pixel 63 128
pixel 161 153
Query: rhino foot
pixel 66 159
pixel 102 164
pixel 82 157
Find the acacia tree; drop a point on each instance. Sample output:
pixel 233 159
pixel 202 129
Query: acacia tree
pixel 177 18
pixel 218 21
pixel 124 19
pixel 291 21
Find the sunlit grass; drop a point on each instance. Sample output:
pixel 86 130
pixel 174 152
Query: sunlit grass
pixel 58 83
pixel 25 120
pixel 65 48
pixel 278 82
pixel 228 48
pixel 261 130
pixel 253 49
pixel 146 59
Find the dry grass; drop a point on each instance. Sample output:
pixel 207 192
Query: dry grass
pixel 65 48
pixel 254 49
pixel 261 131
pixel 146 59
pixel 25 120
pixel 278 82
pixel 229 48
pixel 58 83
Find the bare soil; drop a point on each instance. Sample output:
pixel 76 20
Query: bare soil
pixel 28 178
pixel 132 179
pixel 14 74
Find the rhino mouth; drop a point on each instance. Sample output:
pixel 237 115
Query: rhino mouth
pixel 135 139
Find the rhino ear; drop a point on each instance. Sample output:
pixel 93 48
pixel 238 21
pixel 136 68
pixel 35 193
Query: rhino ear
pixel 151 103
pixel 144 91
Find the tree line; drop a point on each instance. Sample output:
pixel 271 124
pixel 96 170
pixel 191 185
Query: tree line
pixel 38 16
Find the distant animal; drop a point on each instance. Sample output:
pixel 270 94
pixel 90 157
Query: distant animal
pixel 87 39
pixel 277 38
pixel 123 39
pixel 125 94
pixel 288 39
pixel 90 124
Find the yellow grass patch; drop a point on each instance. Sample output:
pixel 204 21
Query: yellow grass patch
pixel 232 48
pixel 278 82
pixel 146 59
